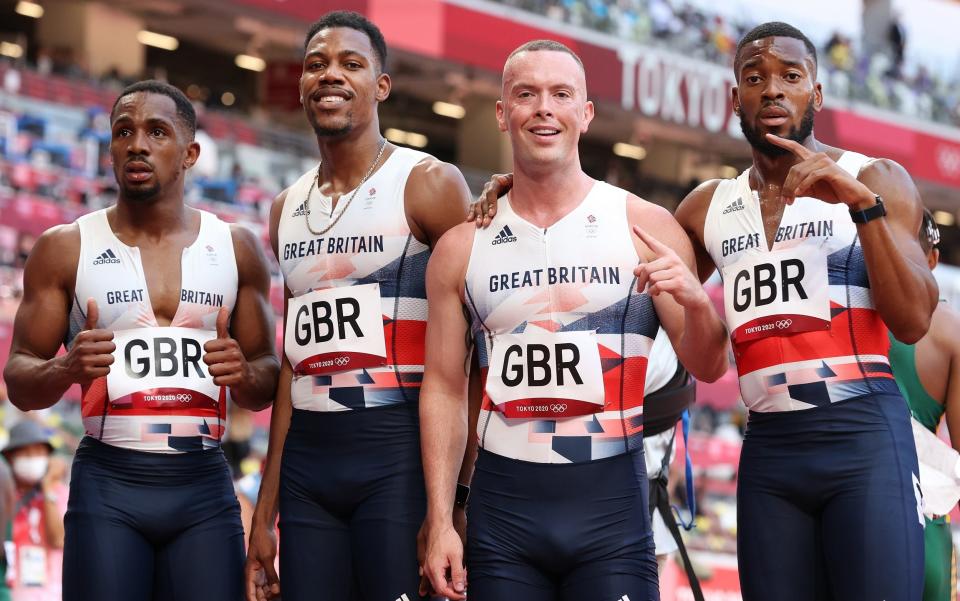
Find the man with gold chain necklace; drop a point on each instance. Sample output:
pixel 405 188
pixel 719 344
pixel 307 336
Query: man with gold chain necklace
pixel 352 237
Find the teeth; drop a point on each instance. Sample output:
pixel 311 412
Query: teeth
pixel 544 131
pixel 331 99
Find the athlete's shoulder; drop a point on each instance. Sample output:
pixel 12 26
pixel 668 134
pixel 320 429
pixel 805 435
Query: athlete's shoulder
pixel 944 325
pixel 432 174
pixel 55 255
pixel 647 214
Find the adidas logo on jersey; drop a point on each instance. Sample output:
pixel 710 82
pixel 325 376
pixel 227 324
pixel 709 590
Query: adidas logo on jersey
pixel 106 256
pixel 736 205
pixel 301 210
pixel 505 235
pixel 403 597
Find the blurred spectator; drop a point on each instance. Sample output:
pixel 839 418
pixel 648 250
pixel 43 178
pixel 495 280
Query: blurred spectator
pixel 35 539
pixel 897 36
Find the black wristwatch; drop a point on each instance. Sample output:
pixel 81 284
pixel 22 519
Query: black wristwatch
pixel 866 215
pixel 463 493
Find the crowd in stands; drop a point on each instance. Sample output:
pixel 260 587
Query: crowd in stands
pixel 881 79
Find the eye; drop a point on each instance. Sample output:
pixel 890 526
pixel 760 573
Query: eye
pixel 793 76
pixel 122 132
pixel 525 94
pixel 753 79
pixel 354 65
pixel 156 131
pixel 563 94
pixel 314 66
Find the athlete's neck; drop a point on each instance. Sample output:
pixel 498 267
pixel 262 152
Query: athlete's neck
pixel 544 196
pixel 155 218
pixel 344 160
pixel 769 173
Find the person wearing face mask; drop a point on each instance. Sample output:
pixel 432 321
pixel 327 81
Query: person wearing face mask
pixel 34 540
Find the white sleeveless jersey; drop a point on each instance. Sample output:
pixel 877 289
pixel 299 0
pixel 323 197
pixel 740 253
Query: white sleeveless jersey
pixel 159 395
pixel 357 317
pixel 801 315
pixel 562 334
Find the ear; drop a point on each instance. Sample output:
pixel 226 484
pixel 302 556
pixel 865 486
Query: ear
pixel 383 87
pixel 933 258
pixel 191 155
pixel 501 116
pixel 735 99
pixel 588 113
pixel 817 96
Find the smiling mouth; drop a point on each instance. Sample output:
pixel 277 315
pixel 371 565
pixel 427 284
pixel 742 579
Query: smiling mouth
pixel 544 132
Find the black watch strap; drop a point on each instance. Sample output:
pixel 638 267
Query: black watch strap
pixel 866 215
pixel 463 493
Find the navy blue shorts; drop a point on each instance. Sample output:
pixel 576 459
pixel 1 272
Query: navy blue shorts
pixel 151 527
pixel 828 505
pixel 552 532
pixel 352 500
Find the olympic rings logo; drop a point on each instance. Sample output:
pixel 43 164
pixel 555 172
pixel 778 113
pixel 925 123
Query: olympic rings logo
pixel 558 407
pixel 341 361
pixel 783 324
pixel 184 398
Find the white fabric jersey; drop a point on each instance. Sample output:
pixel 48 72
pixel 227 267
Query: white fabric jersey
pixel 158 396
pixel 801 314
pixel 372 265
pixel 552 297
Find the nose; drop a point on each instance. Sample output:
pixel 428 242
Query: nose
pixel 137 143
pixel 544 106
pixel 332 73
pixel 772 89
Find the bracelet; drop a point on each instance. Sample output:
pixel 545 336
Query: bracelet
pixel 866 215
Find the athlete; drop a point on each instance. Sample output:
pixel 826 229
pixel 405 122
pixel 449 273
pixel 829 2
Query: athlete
pixel 928 373
pixel 157 346
pixel 563 326
pixel 802 238
pixel 352 237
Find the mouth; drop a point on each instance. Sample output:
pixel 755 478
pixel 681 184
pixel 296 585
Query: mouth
pixel 137 171
pixel 774 116
pixel 544 131
pixel 330 98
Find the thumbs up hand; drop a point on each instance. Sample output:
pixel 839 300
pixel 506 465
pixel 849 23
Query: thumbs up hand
pixel 90 354
pixel 223 356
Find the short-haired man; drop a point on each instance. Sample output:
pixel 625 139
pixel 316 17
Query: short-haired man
pixel 563 319
pixel 164 309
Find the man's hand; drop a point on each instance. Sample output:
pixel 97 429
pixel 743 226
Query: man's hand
pixel 483 211
pixel 668 273
pixel 443 562
pixel 460 525
pixel 91 355
pixel 223 356
pixel 819 176
pixel 261 577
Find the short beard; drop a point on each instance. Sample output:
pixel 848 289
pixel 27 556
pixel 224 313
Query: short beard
pixel 141 194
pixel 331 132
pixel 797 134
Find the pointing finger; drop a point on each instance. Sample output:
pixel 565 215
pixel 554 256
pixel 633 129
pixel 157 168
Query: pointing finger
pixel 795 147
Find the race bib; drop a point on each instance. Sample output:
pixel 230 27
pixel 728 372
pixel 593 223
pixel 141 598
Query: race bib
pixel 161 368
pixel 546 374
pixel 337 329
pixel 777 293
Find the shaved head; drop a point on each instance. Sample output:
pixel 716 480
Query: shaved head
pixel 533 57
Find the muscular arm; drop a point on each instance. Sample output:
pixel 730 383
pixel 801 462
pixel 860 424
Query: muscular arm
pixel 436 198
pixel 691 214
pixel 444 413
pixel 695 330
pixel 252 324
pixel 35 377
pixel 905 292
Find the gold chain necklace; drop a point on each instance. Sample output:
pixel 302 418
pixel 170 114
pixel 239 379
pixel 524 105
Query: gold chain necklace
pixel 316 184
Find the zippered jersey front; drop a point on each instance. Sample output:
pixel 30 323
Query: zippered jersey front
pixel 367 269
pixel 158 396
pixel 805 330
pixel 552 297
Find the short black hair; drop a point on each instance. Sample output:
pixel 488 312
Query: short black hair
pixel 347 18
pixel 152 86
pixel 551 45
pixel 929 232
pixel 777 29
